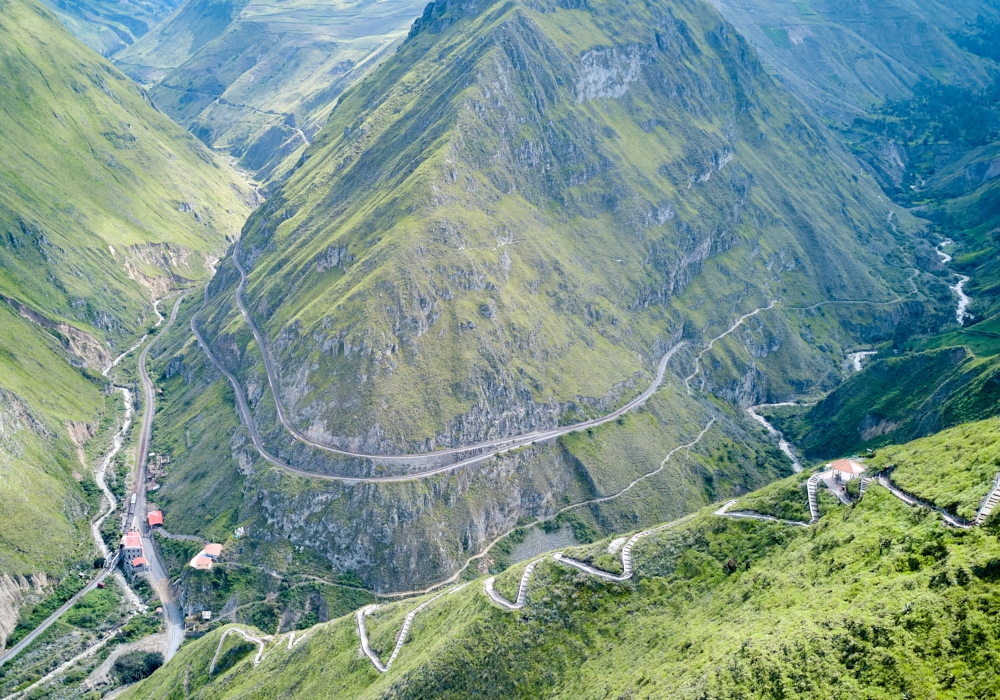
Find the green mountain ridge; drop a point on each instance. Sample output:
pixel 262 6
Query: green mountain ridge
pixel 104 203
pixel 432 276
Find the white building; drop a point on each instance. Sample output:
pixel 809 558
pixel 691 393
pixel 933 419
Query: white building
pixel 846 469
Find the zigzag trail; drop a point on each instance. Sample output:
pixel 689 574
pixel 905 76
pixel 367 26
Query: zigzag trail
pixel 401 637
pixel 496 446
pixel 882 480
pixel 711 344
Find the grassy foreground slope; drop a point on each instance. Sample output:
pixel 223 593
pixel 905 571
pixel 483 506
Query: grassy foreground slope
pixel 954 469
pixel 513 216
pixel 103 200
pixel 877 601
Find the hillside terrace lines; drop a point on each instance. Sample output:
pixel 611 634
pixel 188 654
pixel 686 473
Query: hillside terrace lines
pixel 496 446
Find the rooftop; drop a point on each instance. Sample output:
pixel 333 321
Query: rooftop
pixel 847 466
pixel 155 518
pixel 139 561
pixel 201 562
pixel 212 550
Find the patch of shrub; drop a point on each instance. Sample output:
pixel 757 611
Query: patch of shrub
pixel 133 666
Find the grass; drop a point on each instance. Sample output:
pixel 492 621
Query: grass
pixel 953 469
pixel 881 583
pixel 786 499
pixel 97 201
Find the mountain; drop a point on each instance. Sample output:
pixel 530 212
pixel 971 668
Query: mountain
pixel 877 599
pixel 108 26
pixel 842 58
pixel 258 80
pixel 496 261
pixel 104 203
pixel 502 229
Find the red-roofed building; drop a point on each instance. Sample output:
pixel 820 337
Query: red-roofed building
pixel 132 546
pixel 847 469
pixel 155 519
pixel 139 564
pixel 212 550
pixel 201 562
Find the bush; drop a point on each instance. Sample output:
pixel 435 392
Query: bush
pixel 136 665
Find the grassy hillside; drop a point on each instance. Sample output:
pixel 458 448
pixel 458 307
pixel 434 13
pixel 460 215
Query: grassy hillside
pixel 954 469
pixel 103 200
pixel 45 492
pixel 258 80
pixel 877 601
pixel 103 203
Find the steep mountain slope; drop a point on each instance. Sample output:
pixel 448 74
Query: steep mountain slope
pixel 515 215
pixel 844 57
pixel 877 600
pixel 108 26
pixel 502 229
pixel 102 199
pixel 258 80
pixel 103 203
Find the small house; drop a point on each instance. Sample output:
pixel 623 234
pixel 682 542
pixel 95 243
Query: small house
pixel 846 469
pixel 155 519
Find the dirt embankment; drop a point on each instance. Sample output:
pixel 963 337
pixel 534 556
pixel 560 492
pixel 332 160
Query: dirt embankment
pixel 12 592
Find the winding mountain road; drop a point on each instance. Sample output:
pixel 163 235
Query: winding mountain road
pixel 494 447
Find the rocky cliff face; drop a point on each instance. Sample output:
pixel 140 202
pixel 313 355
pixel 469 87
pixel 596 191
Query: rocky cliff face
pixel 12 591
pixel 498 229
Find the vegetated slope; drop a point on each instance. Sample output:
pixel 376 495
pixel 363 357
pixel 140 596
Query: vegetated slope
pixel 108 26
pixel 93 182
pixel 878 600
pixel 400 536
pixel 954 469
pixel 257 80
pixel 103 200
pixel 895 400
pixel 502 229
pixel 843 57
pixel 517 213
